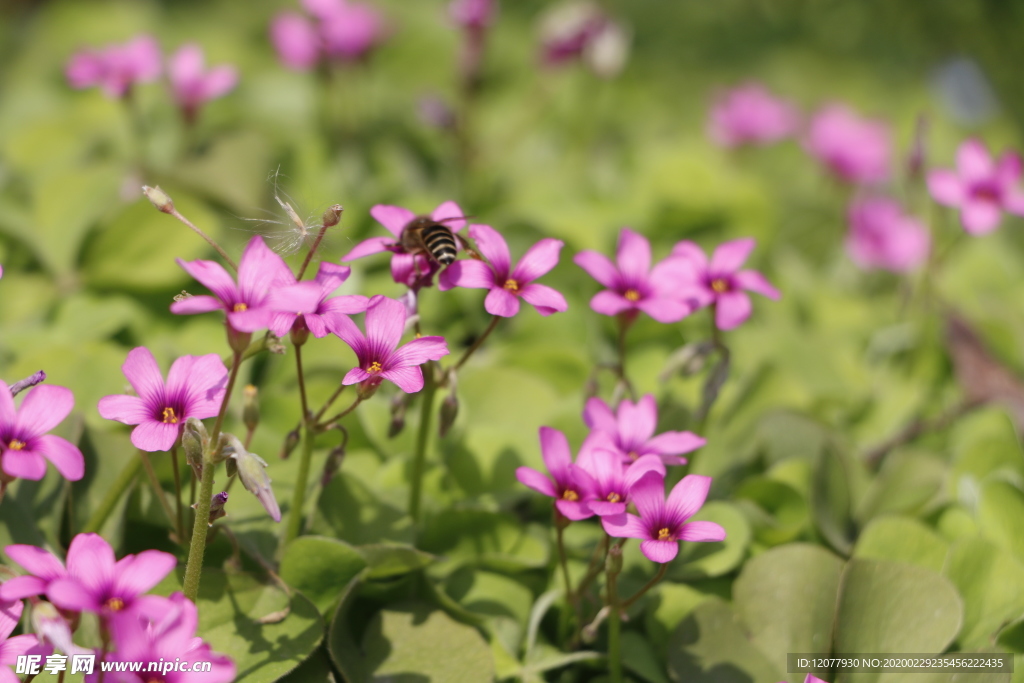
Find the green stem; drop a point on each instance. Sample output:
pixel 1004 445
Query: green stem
pixel 329 402
pixel 194 565
pixel 648 586
pixel 302 383
pixel 114 495
pixel 423 436
pixel 177 494
pixel 312 250
pixel 323 424
pixel 479 340
pixel 157 489
pixel 301 481
pixel 614 627
pixel 570 596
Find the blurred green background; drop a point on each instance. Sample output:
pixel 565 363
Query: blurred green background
pixel 835 367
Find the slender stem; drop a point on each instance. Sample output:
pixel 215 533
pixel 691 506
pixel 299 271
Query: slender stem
pixel 596 562
pixel 479 340
pixel 177 494
pixel 330 401
pixel 312 250
pixel 614 627
pixel 194 565
pixel 158 491
pixel 422 437
pixel 301 481
pixel 342 414
pixel 209 240
pixel 570 596
pixel 648 586
pixel 302 383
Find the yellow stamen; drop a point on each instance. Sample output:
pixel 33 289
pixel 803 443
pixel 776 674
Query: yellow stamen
pixel 570 495
pixel 374 368
pixel 614 498
pixel 633 455
pixel 511 285
pixel 720 285
pixel 114 604
pixel 170 417
pixel 238 308
pixel 632 295
pixel 16 445
pixel 664 535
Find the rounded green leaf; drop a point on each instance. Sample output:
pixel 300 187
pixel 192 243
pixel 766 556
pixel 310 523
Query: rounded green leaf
pixel 320 568
pixel 701 560
pixel 902 539
pixel 991 582
pixel 1001 516
pixel 488 539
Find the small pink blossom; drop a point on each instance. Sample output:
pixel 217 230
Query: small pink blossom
pixel 246 304
pixel 750 114
pixel 882 236
pixel 472 14
pixel 632 285
pixel 663 522
pixel 340 30
pixel 25 445
pixel 570 485
pixel 12 648
pixel 720 281
pixel 296 40
pixel 308 300
pixel 629 432
pixel 42 566
pixel 116 68
pixel 568 29
pixel 856 150
pixel 378 351
pixel 981 187
pixel 195 388
pixel 410 269
pixel 192 84
pixel 613 479
pixel 505 282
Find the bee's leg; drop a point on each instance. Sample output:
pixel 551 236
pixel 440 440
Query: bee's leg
pixel 468 249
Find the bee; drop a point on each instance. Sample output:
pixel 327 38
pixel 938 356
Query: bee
pixel 424 235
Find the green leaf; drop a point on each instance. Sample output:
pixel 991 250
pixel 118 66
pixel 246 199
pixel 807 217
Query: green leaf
pixel 389 561
pixel 710 646
pixel 778 510
pixel 894 607
pixel 907 483
pixel 321 568
pixel 702 560
pixel 902 539
pixel 786 597
pixel 991 583
pixel 316 669
pixel 487 539
pixel 349 510
pixel 1001 516
pixel 639 656
pixel 672 602
pixel 832 499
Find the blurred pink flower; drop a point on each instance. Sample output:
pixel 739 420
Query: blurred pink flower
pixel 24 444
pixel 195 388
pixel 720 281
pixel 116 68
pixel 351 30
pixel 632 285
pixel 507 284
pixel 980 187
pixel 750 114
pixel 340 29
pixel 192 85
pixel 296 41
pixel 567 29
pixel 629 431
pixel 856 150
pixel 413 270
pixel 378 351
pixel 12 648
pixel 612 478
pixel 882 236
pixel 42 568
pixel 308 299
pixel 571 486
pixel 662 523
pixel 472 14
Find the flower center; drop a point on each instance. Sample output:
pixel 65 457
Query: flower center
pixel 614 498
pixel 238 308
pixel 632 455
pixel 719 285
pixel 169 416
pixel 16 445
pixel 114 604
pixel 374 368
pixel 570 495
pixel 511 285
pixel 664 534
pixel 632 295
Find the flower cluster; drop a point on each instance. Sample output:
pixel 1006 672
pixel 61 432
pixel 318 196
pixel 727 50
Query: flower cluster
pixel 140 627
pixel 25 445
pixel 335 30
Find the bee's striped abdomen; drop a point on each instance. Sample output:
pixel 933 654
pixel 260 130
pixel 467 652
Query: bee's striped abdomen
pixel 440 242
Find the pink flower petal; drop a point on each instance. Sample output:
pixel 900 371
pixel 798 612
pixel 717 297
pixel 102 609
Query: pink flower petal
pixel 946 187
pixel 545 299
pixel 537 261
pixel 385 322
pixel 394 218
pixel 130 410
pixel 373 245
pixel 142 572
pixel 196 304
pixel 648 494
pixel 608 302
pixel 674 443
pixel 687 496
pixel 404 268
pixel 643 465
pixel 755 282
pixel 22 587
pixel 8 413
pixel 729 256
pixel 346 330
pixel 408 379
pixel 250 320
pixel 980 217
pixel 91 561
pixel 24 464
pixel 501 302
pixel 142 371
pixel 599 267
pixel 349 304
pixel 574 509
pixel 637 422
pixel 258 270
pixel 468 273
pixel 664 310
pixel 12 648
pixel 212 276
pixel 64 456
pixel 624 526
pixel 554 449
pixel 597 415
pixel 44 407
pixel 418 351
pixel 692 253
pixel 302 297
pixel 633 256
pixel 731 309
pixel 973 162
pixel 355 375
pixel 535 480
pixel 153 436
pixel 35 560
pixel 10 614
pixel 659 551
pixel 330 276
pixel 450 210
pixel 219 81
pixel 68 594
pixel 491 244
pixel 296 41
pixel 702 531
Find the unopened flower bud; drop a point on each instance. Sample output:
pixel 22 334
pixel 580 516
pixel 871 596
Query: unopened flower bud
pixel 290 442
pixel 194 440
pixel 158 198
pixel 250 407
pixel 448 412
pixel 299 332
pixel 332 216
pixel 238 341
pixel 367 388
pixel 217 504
pixel 252 473
pixel 29 381
pixel 399 404
pixel 51 627
pixel 333 464
pixel 613 565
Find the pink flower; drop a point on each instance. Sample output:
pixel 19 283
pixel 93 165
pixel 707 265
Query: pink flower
pixel 192 85
pixel 980 187
pixel 24 442
pixel 720 282
pixel 378 352
pixel 628 433
pixel 569 29
pixel 507 284
pixel 410 269
pixel 750 114
pixel 351 30
pixel 856 150
pixel 472 14
pixel 195 388
pixel 116 68
pixel 571 486
pixel 246 304
pixel 882 236
pixel 12 648
pixel 612 479
pixel 42 566
pixel 296 40
pixel 662 523
pixel 633 285
pixel 309 301
pixel 165 631
pixel 96 582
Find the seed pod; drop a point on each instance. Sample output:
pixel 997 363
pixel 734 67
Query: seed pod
pixel 290 442
pixel 448 412
pixel 194 440
pixel 399 404
pixel 158 198
pixel 252 473
pixel 332 216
